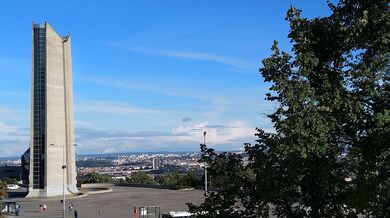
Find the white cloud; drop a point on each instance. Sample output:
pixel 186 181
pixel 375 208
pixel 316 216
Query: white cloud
pixel 216 134
pixel 230 136
pixel 84 124
pixel 218 107
pixel 235 62
pixel 231 61
pixel 15 113
pixel 14 94
pixel 13 140
pixel 168 90
pixel 5 128
pixel 115 108
pixel 181 138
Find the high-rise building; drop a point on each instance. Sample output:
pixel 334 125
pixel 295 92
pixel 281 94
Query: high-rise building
pixel 52 147
pixel 156 163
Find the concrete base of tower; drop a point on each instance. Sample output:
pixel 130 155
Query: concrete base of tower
pixel 52 192
pixel 73 189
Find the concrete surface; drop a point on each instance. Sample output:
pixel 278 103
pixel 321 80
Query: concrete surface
pixel 116 204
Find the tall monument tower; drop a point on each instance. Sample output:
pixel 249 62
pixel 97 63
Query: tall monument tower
pixel 52 148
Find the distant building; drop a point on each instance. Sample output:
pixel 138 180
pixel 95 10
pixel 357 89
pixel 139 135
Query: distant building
pixel 25 165
pixel 13 172
pixel 52 132
pixel 156 163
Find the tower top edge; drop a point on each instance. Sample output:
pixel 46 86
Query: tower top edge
pixel 46 25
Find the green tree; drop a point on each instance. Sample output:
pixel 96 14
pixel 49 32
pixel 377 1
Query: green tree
pixel 176 180
pixel 332 122
pixel 95 177
pixel 140 178
pixel 230 177
pixel 8 180
pixel 3 194
pixel 189 180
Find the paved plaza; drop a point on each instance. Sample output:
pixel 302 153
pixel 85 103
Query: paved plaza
pixel 116 204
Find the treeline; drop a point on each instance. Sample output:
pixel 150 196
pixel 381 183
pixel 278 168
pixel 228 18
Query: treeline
pixel 174 180
pixel 95 177
pixel 94 163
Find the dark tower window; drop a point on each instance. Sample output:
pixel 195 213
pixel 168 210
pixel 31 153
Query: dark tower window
pixel 39 106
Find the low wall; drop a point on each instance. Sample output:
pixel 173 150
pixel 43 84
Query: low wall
pixel 96 185
pixel 92 191
pixel 148 186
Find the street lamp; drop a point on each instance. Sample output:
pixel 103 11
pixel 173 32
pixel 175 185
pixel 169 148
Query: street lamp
pixel 63 178
pixel 205 165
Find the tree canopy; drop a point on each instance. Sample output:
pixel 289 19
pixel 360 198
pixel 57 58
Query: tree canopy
pixel 330 153
pixel 3 194
pixel 95 177
pixel 7 180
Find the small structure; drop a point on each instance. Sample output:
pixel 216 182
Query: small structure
pixel 180 214
pixel 147 212
pixel 10 208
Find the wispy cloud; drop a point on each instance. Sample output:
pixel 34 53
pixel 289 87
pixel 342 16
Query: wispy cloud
pixel 180 138
pixel 13 140
pixel 116 108
pixel 234 132
pixel 203 56
pixel 185 137
pixel 5 128
pixel 15 113
pixel 88 134
pixel 14 94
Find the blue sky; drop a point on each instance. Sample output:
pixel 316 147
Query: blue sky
pixel 149 75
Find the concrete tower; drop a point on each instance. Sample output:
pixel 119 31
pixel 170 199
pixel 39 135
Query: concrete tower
pixel 52 133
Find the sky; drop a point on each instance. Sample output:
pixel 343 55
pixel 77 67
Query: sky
pixel 150 75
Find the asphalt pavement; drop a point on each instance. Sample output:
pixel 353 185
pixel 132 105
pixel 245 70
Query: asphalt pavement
pixel 116 204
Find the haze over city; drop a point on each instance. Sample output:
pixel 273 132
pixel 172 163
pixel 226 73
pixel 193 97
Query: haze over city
pixel 149 76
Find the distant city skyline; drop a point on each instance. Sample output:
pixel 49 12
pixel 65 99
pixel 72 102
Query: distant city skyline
pixel 150 76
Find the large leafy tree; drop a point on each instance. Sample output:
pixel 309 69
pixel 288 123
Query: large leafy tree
pixel 3 194
pixel 330 155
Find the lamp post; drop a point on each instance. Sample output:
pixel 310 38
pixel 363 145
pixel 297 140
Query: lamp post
pixel 205 166
pixel 63 179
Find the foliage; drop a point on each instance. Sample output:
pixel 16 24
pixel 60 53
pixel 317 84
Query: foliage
pixel 93 163
pixel 3 194
pixel 7 180
pixel 332 122
pixel 95 177
pixel 140 178
pixel 175 180
pixel 229 176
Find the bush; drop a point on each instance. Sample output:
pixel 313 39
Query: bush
pixel 7 180
pixel 175 180
pixel 179 180
pixel 95 177
pixel 140 178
